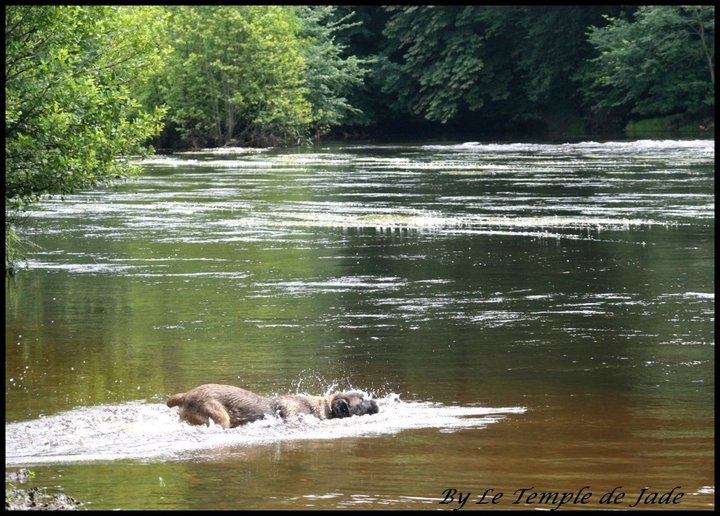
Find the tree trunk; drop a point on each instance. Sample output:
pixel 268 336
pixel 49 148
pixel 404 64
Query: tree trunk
pixel 229 115
pixel 701 33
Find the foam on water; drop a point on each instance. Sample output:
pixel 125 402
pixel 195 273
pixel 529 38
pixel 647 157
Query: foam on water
pixel 705 146
pixel 151 432
pixel 169 161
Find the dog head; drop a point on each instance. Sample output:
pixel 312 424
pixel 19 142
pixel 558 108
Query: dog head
pixel 346 404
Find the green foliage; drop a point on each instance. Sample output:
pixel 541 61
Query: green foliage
pixel 234 70
pixel 495 63
pixel 364 38
pixel 255 74
pixel 331 76
pixel 13 245
pixel 660 63
pixel 440 69
pixel 70 119
pixel 676 125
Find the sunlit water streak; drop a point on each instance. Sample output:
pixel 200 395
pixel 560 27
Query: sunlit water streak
pixel 587 191
pixel 151 431
pixel 567 191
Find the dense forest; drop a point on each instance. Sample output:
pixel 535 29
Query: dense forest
pixel 87 87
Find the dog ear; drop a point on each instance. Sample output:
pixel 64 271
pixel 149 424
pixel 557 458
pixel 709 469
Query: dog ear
pixel 340 408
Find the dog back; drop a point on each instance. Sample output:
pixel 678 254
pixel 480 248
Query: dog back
pixel 224 404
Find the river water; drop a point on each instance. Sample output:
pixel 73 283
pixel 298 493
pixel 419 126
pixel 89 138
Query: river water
pixel 535 319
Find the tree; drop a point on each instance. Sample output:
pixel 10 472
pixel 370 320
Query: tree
pixel 434 61
pixel 255 74
pixel 499 64
pixel 235 73
pixel 331 76
pixel 364 38
pixel 70 118
pixel 659 63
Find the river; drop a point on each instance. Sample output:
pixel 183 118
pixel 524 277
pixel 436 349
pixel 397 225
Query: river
pixel 534 319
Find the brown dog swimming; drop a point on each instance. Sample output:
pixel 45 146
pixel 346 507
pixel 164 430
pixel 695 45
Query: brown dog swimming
pixel 230 406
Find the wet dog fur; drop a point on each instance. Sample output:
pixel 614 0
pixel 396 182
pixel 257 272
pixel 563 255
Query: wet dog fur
pixel 230 406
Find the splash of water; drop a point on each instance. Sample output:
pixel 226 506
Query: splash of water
pixel 151 431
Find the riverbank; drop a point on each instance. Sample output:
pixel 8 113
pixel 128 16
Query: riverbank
pixel 35 498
